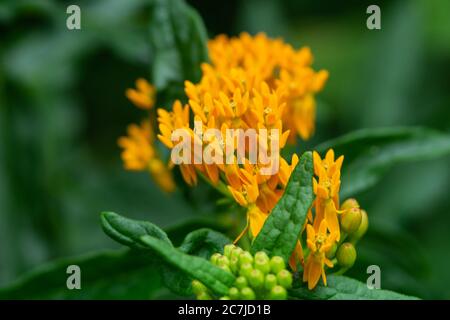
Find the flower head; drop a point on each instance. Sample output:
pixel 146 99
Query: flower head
pixel 144 94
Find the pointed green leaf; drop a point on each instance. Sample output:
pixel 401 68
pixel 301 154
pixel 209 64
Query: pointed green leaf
pixel 344 288
pixel 369 153
pixel 128 231
pixel 211 276
pixel 178 43
pixel 122 274
pixel 204 242
pixel 282 228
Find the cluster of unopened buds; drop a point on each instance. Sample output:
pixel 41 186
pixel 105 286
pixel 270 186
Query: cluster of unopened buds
pixel 257 276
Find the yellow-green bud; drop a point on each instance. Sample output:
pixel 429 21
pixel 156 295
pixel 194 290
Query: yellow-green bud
pixel 277 264
pixel 349 203
pixel 214 258
pixel 241 282
pixel 222 261
pixel 284 278
pixel 346 255
pixel 245 257
pixel 262 264
pixel 226 268
pixel 261 255
pixel 236 252
pixel 228 249
pixel 233 293
pixel 234 264
pixel 225 298
pixel 256 278
pixel 203 296
pixel 270 281
pixel 247 294
pixel 198 287
pixel 351 220
pixel 278 293
pixel 245 270
pixel 362 227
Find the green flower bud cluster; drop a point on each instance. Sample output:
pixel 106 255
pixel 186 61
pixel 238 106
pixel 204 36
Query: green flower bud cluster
pixel 257 276
pixel 354 223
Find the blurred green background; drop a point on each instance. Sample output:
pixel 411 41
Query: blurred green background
pixel 62 108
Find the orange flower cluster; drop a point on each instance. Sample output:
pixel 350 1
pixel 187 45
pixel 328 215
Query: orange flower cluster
pixel 251 83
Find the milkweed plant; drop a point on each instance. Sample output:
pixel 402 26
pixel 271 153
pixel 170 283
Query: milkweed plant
pixel 234 123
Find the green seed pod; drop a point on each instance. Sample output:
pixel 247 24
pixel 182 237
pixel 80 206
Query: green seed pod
pixel 214 258
pixel 351 220
pixel 228 249
pixel 278 293
pixel 332 252
pixel 245 257
pixel 262 264
pixel 241 282
pixel 284 278
pixel 270 282
pixel 346 255
pixel 204 296
pixel 277 264
pixel 256 278
pixel 362 227
pixel 233 293
pixel 223 261
pixel 198 287
pixel 245 270
pixel 261 255
pixel 247 294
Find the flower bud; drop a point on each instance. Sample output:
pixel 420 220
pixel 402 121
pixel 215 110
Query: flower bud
pixel 349 203
pixel 270 281
pixel 351 220
pixel 261 255
pixel 233 293
pixel 222 261
pixel 214 258
pixel 262 264
pixel 225 298
pixel 203 296
pixel 278 293
pixel 234 264
pixel 277 264
pixel 228 249
pixel 284 278
pixel 362 227
pixel 245 270
pixel 241 282
pixel 247 294
pixel 198 287
pixel 236 252
pixel 346 255
pixel 245 257
pixel 256 278
pixel 225 268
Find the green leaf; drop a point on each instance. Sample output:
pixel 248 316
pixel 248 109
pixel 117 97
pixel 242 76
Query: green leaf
pixel 211 276
pixel 204 242
pixel 122 274
pixel 178 42
pixel 344 288
pixel 281 229
pixel 369 153
pixel 128 231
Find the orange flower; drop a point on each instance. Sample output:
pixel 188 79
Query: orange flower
pixel 144 94
pixel 319 243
